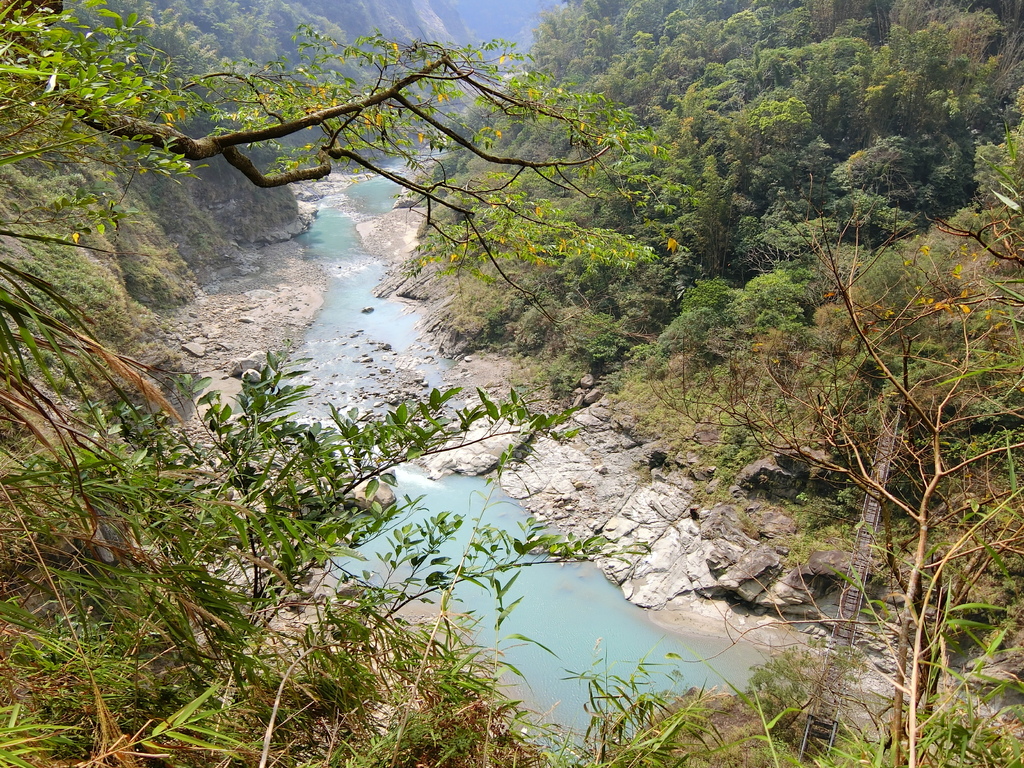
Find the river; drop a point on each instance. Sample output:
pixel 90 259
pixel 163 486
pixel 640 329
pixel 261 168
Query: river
pixel 571 610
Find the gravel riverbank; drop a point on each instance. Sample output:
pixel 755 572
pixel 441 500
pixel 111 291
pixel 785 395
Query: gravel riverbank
pixel 267 309
pixel 263 299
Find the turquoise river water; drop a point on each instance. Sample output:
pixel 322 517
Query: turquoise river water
pixel 572 610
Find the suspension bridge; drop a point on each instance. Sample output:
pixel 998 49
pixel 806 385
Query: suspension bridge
pixel 826 704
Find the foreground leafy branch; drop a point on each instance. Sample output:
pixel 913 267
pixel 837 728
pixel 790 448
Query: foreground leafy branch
pixel 148 569
pixel 362 106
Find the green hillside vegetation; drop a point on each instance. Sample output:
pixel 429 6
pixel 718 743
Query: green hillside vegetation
pixel 775 124
pixel 150 235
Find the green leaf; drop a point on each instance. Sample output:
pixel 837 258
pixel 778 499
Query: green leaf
pixel 977 607
pixel 531 641
pixel 1011 204
pixel 30 153
pixel 185 714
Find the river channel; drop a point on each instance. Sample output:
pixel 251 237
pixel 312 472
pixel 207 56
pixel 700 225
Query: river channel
pixel 579 621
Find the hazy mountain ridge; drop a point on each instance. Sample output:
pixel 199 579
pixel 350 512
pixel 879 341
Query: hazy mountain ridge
pixel 514 20
pixel 402 19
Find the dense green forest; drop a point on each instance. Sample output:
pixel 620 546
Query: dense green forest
pixel 775 124
pixel 806 226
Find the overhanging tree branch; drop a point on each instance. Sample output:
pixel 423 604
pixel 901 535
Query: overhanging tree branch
pixel 363 124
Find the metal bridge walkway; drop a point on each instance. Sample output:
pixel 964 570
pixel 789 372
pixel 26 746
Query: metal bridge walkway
pixel 824 716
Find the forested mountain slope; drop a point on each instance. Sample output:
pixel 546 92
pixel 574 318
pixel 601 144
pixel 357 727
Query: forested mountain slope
pixel 774 123
pixel 764 108
pixel 834 191
pixel 257 30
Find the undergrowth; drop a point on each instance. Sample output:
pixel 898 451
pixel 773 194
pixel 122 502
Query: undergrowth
pixel 159 602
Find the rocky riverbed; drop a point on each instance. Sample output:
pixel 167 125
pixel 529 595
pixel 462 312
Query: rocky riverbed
pixel 715 568
pixel 676 557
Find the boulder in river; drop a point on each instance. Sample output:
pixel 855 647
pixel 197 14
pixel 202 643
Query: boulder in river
pixel 477 452
pixel 256 360
pixel 383 496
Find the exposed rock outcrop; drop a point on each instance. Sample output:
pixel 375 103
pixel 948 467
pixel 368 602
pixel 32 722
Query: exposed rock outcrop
pixel 477 452
pixel 800 592
pixel 769 477
pixel 664 546
pixel 753 573
pixel 779 476
pixel 667 546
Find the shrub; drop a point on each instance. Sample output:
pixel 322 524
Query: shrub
pixel 776 299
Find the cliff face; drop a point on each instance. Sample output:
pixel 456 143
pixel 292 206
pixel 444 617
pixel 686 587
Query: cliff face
pixel 208 217
pixel 422 19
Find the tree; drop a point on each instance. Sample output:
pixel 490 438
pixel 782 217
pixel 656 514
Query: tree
pixel 912 338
